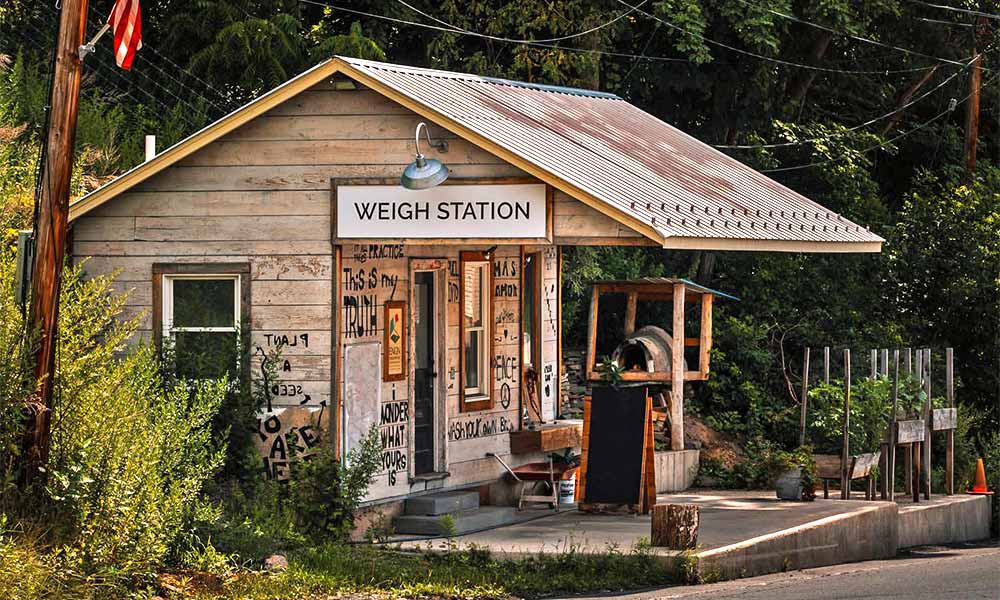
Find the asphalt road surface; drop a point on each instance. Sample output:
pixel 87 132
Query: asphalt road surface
pixel 920 574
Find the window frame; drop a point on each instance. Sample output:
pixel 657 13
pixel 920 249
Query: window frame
pixel 164 274
pixel 483 400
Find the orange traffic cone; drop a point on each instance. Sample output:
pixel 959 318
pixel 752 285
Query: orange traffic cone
pixel 979 486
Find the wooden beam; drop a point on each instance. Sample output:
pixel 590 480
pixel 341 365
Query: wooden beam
pixel 677 372
pixel 805 397
pixel 705 348
pixel 630 306
pixel 595 297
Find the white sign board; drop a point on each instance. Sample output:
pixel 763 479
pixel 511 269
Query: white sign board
pixel 446 211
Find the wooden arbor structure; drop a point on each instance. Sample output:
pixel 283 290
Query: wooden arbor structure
pixel 681 293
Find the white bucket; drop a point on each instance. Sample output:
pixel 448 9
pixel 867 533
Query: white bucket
pixel 567 491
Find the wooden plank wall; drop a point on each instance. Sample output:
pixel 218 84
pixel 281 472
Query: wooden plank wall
pixel 261 195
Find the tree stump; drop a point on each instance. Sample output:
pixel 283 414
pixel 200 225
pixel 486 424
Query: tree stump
pixel 675 526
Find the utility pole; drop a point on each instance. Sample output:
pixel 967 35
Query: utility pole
pixel 979 33
pixel 51 226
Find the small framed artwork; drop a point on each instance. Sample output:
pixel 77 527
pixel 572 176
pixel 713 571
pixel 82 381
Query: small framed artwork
pixel 394 346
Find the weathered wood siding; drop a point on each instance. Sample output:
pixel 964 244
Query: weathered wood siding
pixel 261 195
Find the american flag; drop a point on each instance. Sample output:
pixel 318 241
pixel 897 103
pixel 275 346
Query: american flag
pixel 128 31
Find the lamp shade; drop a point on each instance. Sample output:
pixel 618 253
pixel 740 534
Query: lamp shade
pixel 423 173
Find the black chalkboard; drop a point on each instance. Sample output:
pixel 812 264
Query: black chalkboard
pixel 615 452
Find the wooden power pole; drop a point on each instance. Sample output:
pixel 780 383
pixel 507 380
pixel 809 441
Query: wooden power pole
pixel 51 225
pixel 980 31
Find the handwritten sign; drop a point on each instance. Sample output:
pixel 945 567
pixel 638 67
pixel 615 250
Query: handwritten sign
pixel 394 346
pixel 446 211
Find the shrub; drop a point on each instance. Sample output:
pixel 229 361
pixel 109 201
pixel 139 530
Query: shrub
pixel 326 491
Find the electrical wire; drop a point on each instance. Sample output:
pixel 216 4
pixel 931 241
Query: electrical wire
pixel 526 41
pixel 616 54
pixel 877 146
pixel 848 35
pixel 965 11
pixel 779 61
pixel 856 127
pixel 491 37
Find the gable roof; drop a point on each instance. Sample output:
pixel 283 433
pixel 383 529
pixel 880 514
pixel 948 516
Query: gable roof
pixel 596 147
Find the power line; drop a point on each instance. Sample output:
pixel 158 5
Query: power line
pixel 856 127
pixel 616 54
pixel 525 41
pixel 965 11
pixel 491 37
pixel 848 35
pixel 779 61
pixel 936 117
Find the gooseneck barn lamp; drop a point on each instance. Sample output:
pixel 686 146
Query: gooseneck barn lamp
pixel 424 173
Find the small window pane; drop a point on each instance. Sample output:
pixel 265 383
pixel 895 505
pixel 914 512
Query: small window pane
pixel 204 303
pixel 205 354
pixel 473 309
pixel 473 361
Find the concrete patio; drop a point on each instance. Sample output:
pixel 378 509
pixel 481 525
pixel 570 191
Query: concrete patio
pixel 745 533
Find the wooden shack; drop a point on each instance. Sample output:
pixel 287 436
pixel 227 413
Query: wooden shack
pixel 424 314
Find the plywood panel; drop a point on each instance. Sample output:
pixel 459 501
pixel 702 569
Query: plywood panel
pixel 362 392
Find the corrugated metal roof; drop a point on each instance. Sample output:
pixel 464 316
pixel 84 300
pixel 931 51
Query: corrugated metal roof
pixel 690 194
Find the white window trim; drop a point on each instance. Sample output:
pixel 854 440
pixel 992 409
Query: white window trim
pixel 168 302
pixel 480 392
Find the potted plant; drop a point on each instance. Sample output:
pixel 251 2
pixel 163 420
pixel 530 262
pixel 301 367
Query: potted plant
pixel 794 474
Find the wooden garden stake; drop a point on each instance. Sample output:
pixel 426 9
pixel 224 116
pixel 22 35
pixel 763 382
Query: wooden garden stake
pixel 909 361
pixel 805 398
pixel 884 363
pixel 891 470
pixel 826 365
pixel 949 457
pixel 874 360
pixel 845 454
pixel 926 458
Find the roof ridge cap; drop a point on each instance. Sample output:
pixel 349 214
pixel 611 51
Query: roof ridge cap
pixel 440 73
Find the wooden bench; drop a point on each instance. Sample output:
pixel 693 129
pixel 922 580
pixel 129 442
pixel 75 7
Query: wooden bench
pixel 859 467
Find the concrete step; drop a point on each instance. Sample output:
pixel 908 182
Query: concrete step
pixel 483 517
pixel 442 503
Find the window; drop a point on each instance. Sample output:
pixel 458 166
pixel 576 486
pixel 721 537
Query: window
pixel 476 316
pixel 200 308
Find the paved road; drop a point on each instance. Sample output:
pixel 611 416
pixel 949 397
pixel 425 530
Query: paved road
pixel 971 572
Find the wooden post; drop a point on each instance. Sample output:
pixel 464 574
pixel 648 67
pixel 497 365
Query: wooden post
pixel 874 361
pixel 675 526
pixel 915 450
pixel 826 365
pixel 677 372
pixel 972 105
pixel 805 398
pixel 884 367
pixel 909 361
pixel 949 453
pixel 925 462
pixel 845 453
pixel 891 467
pixel 51 227
pixel 705 343
pixel 595 295
pixel 630 306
